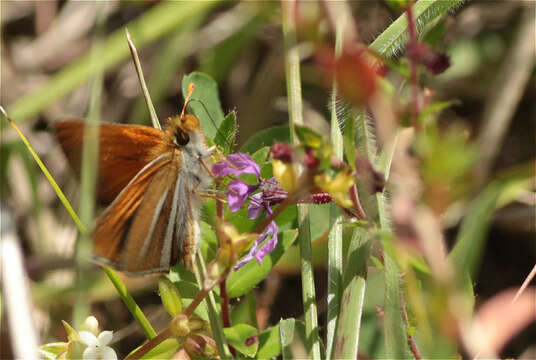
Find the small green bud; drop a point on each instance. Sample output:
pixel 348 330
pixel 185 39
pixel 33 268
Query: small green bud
pixel 180 326
pixel 170 295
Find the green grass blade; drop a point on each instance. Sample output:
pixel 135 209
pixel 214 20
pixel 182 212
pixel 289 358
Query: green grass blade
pixel 168 62
pixel 335 221
pixel 134 309
pixel 293 81
pixel 353 297
pixel 143 85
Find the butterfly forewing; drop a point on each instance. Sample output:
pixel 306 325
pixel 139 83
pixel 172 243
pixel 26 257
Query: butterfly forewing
pixel 123 151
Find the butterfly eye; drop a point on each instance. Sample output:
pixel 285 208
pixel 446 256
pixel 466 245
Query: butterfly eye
pixel 181 138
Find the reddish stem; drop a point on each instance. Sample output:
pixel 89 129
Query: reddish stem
pixel 163 335
pixel 411 341
pixel 225 311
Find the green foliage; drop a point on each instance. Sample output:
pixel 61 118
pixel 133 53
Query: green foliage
pixel 208 110
pixel 170 295
pixel 376 264
pixel 242 338
pixel 266 137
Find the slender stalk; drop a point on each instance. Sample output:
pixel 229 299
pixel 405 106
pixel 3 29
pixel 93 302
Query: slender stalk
pixel 131 305
pixel 411 341
pixel 147 97
pixel 335 218
pixel 292 68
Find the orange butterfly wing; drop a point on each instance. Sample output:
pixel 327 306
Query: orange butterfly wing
pixel 123 151
pixel 113 226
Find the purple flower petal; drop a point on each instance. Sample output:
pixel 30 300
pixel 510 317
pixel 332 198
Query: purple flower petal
pixel 255 206
pixel 236 164
pixel 238 192
pixel 267 248
pixel 270 245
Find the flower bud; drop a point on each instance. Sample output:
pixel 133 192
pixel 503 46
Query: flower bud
pixel 311 162
pixel 201 346
pixel 286 175
pixel 198 324
pixel 337 187
pixel 282 152
pixel 91 324
pixel 180 326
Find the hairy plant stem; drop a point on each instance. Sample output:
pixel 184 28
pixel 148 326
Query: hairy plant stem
pixel 414 76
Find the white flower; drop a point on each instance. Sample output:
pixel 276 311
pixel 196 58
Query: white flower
pixel 97 347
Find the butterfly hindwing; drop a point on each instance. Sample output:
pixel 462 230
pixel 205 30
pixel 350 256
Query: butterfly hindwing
pixel 112 228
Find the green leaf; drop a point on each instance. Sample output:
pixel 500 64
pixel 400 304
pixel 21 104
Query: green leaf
pixel 261 155
pixel 184 280
pixel 243 338
pixel 266 137
pixel 226 136
pixel 170 295
pixel 469 247
pixel 308 136
pixel 209 111
pixel 353 297
pixel 269 344
pixel 165 350
pixel 249 275
pixel 349 325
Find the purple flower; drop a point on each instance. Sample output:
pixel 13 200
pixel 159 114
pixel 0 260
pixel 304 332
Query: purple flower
pixel 238 192
pixel 255 206
pixel 267 248
pixel 236 164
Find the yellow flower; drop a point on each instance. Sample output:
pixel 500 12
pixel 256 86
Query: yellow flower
pixel 337 188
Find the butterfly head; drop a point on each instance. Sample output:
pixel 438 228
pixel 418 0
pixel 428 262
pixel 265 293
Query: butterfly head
pixel 182 130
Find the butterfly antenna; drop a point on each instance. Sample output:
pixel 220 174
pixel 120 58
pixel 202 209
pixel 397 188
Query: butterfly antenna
pixel 191 87
pixel 212 120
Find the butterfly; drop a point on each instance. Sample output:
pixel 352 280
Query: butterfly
pixel 152 179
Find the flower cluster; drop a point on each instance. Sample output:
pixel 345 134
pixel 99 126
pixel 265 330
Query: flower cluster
pixel 88 343
pixel 239 192
pixel 307 172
